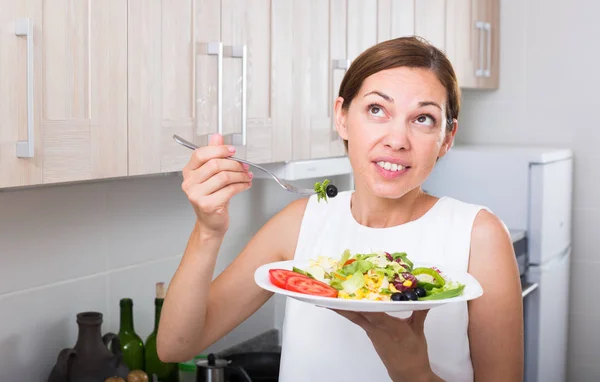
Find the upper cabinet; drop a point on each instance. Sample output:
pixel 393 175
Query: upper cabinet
pixel 199 67
pixel 96 89
pixel 466 30
pixel 63 98
pixel 472 42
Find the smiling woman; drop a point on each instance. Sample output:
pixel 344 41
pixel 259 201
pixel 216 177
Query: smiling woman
pixel 397 111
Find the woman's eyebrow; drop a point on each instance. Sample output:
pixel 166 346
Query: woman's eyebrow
pixel 382 95
pixel 391 100
pixel 429 103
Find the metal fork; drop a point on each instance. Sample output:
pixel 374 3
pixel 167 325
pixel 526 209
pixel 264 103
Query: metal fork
pixel 287 186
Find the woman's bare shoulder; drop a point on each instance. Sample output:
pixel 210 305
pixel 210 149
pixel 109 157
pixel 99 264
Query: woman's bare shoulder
pixel 283 229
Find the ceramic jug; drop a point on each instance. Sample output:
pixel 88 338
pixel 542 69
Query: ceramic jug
pixel 90 360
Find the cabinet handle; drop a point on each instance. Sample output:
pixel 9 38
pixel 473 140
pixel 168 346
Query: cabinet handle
pixel 488 30
pixel 24 27
pixel 216 48
pixel 337 65
pixel 479 25
pixel 242 52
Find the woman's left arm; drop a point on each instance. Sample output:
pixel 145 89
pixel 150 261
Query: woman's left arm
pixel 495 318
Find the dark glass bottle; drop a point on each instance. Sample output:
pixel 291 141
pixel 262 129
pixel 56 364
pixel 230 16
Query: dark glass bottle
pixel 156 369
pixel 132 345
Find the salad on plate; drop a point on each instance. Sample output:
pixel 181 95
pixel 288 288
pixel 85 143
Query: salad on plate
pixel 380 276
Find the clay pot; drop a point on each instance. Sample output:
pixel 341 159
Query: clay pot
pixel 90 360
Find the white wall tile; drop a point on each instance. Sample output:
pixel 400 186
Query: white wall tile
pixel 583 301
pixel 37 324
pixel 146 219
pixel 138 283
pixel 45 235
pixel 586 240
pixel 584 338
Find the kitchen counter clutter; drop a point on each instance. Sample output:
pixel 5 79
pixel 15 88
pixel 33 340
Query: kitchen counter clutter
pixel 125 357
pixel 111 357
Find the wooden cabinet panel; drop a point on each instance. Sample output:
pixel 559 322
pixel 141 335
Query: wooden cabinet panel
pixel 79 91
pixel 320 40
pixel 472 39
pixel 430 21
pixel 83 54
pixel 162 81
pixel 203 68
pixel 396 19
pixel 14 106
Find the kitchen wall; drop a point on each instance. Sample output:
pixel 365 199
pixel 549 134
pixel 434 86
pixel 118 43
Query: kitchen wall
pixel 549 97
pixel 72 248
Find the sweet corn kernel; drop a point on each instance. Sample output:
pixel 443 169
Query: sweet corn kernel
pixel 407 283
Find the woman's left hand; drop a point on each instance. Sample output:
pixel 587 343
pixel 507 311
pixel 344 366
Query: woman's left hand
pixel 400 343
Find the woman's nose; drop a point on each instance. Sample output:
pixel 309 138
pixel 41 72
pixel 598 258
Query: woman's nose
pixel 397 137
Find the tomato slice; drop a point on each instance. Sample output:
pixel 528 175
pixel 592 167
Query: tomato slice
pixel 279 276
pixel 307 285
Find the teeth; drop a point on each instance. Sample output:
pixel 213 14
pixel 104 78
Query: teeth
pixel 390 166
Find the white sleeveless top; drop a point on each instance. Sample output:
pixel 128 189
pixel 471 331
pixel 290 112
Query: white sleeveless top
pixel 320 345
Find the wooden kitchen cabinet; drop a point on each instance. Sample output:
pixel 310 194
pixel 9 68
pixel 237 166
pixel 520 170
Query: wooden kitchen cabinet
pixel 425 18
pixel 63 97
pixel 472 42
pixel 198 67
pixel 314 44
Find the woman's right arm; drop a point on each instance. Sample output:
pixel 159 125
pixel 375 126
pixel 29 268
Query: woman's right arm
pixel 197 310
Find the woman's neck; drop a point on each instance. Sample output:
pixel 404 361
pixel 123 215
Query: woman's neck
pixel 375 212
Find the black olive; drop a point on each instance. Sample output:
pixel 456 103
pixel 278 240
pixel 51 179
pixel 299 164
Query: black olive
pixel 411 295
pixel 399 296
pixel 331 190
pixel 420 291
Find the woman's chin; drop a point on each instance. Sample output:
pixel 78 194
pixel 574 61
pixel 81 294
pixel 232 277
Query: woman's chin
pixel 389 191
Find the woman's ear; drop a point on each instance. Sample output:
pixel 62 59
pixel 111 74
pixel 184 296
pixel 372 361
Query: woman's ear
pixel 448 139
pixel 340 118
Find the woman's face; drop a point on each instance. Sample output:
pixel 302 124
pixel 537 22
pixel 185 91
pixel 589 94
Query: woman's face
pixel 396 130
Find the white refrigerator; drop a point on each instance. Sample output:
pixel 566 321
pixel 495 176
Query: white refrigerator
pixel 529 188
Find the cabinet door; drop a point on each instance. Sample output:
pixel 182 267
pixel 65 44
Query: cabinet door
pixel 473 41
pixel 462 40
pixel 396 18
pixel 246 36
pixel 83 89
pixel 488 13
pixel 78 87
pixel 172 80
pixel 17 98
pixel 430 21
pixel 309 60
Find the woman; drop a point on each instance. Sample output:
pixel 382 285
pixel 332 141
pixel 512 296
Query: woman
pixel 397 112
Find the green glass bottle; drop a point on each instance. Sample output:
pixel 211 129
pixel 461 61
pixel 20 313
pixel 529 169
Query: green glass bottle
pixel 157 370
pixel 132 345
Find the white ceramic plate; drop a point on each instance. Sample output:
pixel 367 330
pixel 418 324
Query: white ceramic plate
pixel 472 291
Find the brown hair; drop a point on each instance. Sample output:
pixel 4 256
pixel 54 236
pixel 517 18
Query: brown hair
pixel 413 52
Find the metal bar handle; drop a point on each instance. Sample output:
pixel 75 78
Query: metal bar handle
pixel 336 65
pixel 488 29
pixel 242 52
pixel 24 28
pixel 479 25
pixel 216 48
pixel 527 289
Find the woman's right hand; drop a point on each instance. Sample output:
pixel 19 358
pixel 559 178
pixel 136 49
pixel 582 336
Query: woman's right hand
pixel 210 181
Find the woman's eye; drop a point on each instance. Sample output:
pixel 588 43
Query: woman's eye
pixel 376 111
pixel 425 119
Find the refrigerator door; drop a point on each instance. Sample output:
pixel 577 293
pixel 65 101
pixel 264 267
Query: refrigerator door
pixel 550 209
pixel 546 321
